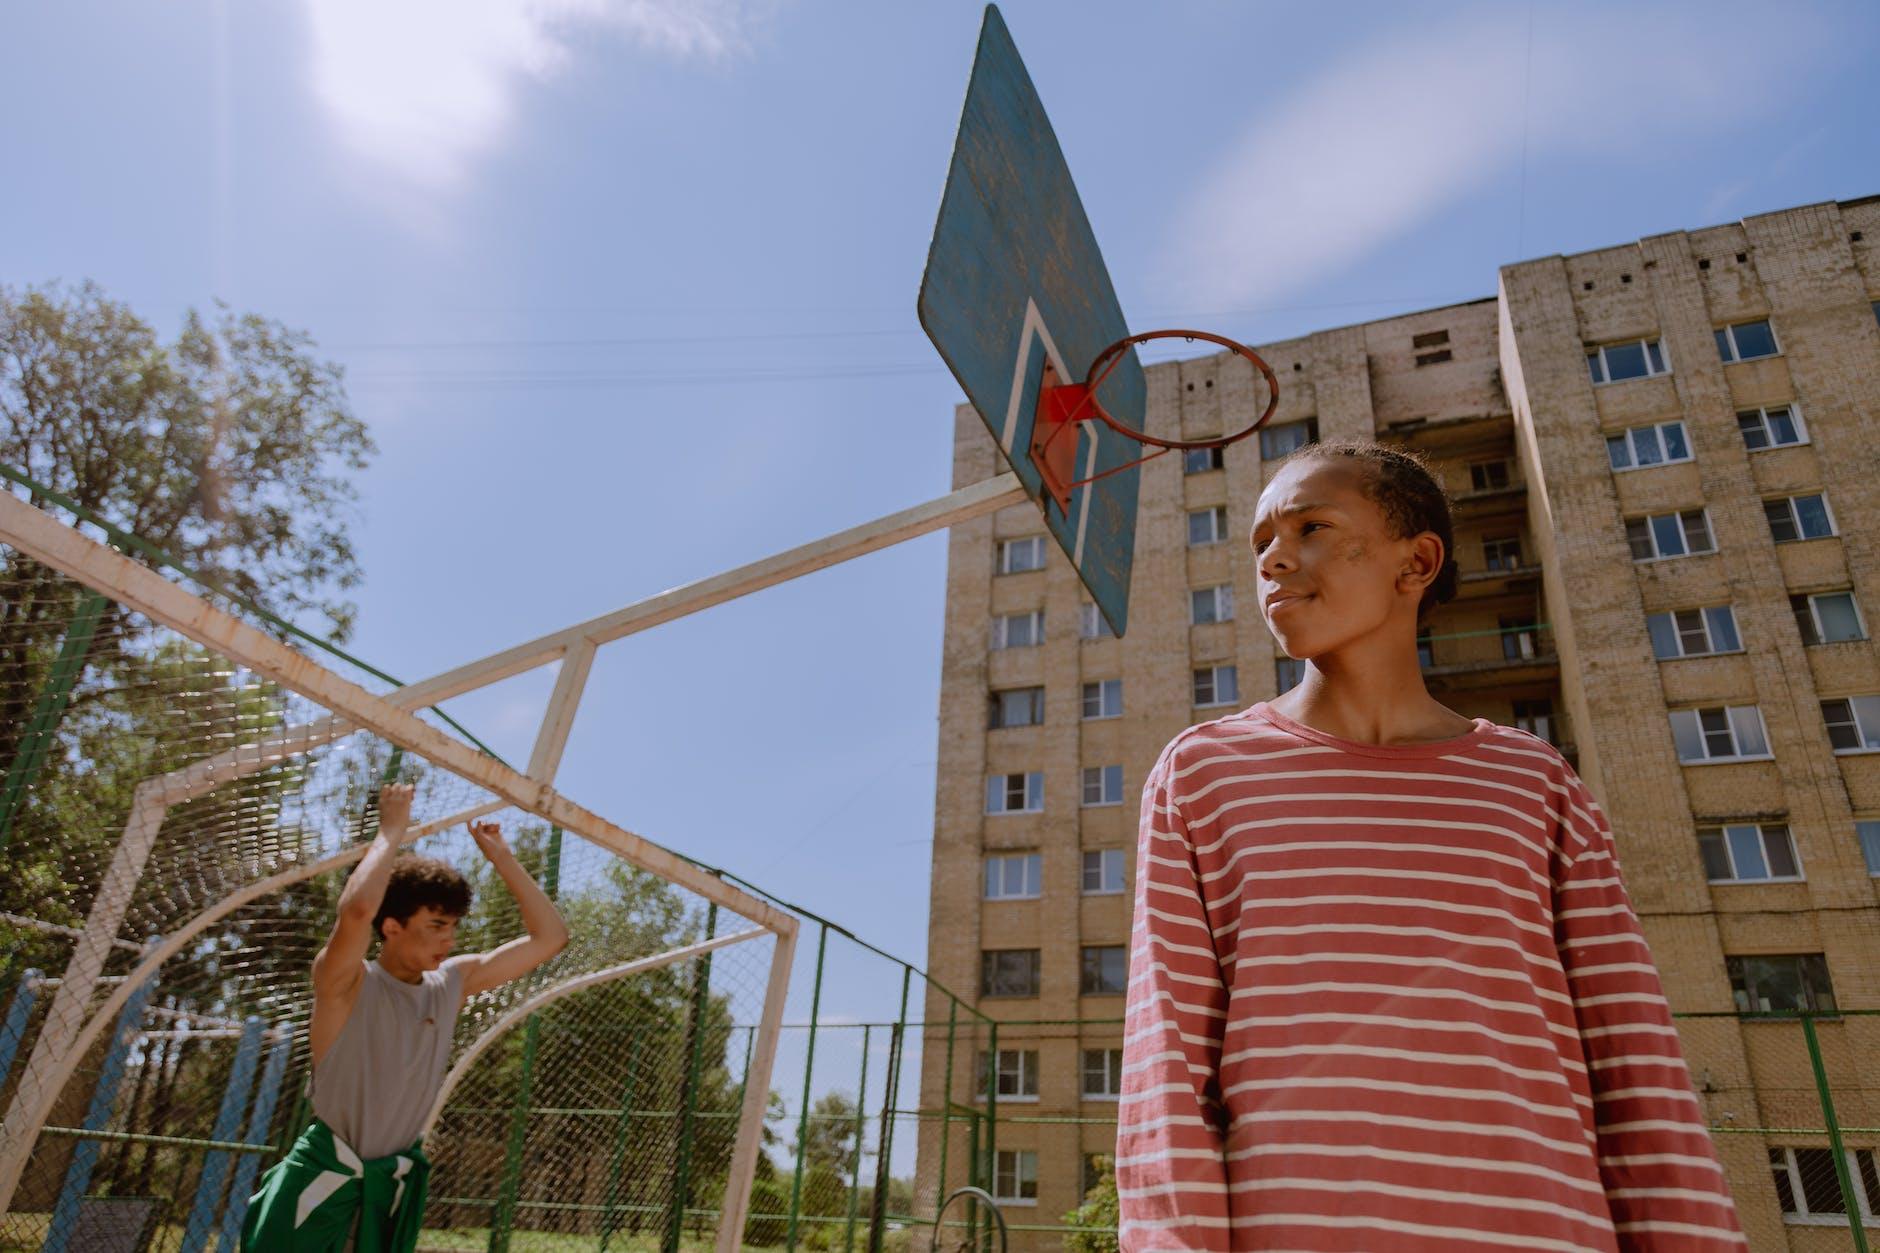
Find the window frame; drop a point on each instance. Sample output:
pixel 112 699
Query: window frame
pixel 1630 438
pixel 1086 986
pixel 1653 351
pixel 1111 1067
pixel 1761 414
pixel 1026 1071
pixel 1216 528
pixel 1219 595
pixel 1795 517
pixel 1106 796
pixel 1283 667
pixel 1021 1161
pixel 1102 689
pixel 1731 725
pixel 1091 624
pixel 1727 335
pixel 1033 788
pixel 1867 733
pixel 1104 861
pixel 1007 547
pixel 988 959
pixel 1309 424
pixel 1546 720
pixel 1033 694
pixel 1214 673
pixel 1740 995
pixel 1676 631
pixel 1031 875
pixel 1492 559
pixel 1215 454
pixel 1869 842
pixel 1727 846
pixel 1808 600
pixel 1481 470
pixel 1002 629
pixel 1683 517
pixel 1805 1217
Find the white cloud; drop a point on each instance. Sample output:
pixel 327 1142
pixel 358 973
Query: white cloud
pixel 420 88
pixel 1386 138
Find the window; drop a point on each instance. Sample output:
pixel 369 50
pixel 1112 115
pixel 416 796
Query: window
pixel 1652 445
pixel 1867 831
pixel 1092 625
pixel 1798 517
pixel 1201 460
pixel 1103 1073
pixel 1103 785
pixel 1809 1188
pixel 1635 359
pixel 1748 851
pixel 1771 428
pixel 1207 526
pixel 1017 1075
pixel 1719 733
pixel 1211 604
pixel 1789 983
pixel 1853 723
pixel 1488 476
pixel 1503 552
pixel 1520 639
pixel 1008 972
pixel 1536 717
pixel 1103 871
pixel 1017 707
pixel 1015 1177
pixel 1013 877
pixel 1426 649
pixel 1288 673
pixel 1106 969
pixel 1669 535
pixel 1021 554
pixel 1015 793
pixel 1277 441
pixel 1693 632
pixel 1103 699
pixel 1434 358
pixel 1429 339
pixel 1217 685
pixel 1745 341
pixel 1827 617
pixel 1018 630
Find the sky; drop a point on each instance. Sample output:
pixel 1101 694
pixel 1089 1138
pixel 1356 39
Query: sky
pixel 625 292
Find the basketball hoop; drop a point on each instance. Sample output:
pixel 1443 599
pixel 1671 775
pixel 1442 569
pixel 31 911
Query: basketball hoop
pixel 1061 405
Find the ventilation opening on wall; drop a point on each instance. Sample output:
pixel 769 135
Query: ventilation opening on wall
pixel 1704 264
pixel 1434 358
pixel 1429 339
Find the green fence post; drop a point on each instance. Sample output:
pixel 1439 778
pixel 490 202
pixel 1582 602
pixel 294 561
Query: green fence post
pixel 992 1122
pixel 884 1142
pixel 503 1222
pixel 54 697
pixel 694 1045
pixel 861 1134
pixel 1848 1195
pixel 946 1108
pixel 809 1063
pixel 616 1160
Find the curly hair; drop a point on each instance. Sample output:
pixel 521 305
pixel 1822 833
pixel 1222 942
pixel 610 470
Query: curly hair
pixel 1401 484
pixel 420 881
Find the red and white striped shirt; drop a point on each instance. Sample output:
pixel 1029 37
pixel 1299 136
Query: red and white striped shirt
pixel 1395 997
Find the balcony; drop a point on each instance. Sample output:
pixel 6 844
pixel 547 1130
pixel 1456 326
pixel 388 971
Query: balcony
pixel 1497 657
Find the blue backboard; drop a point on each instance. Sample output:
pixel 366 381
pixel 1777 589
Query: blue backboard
pixel 1015 279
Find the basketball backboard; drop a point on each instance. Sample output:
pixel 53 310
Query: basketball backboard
pixel 1016 292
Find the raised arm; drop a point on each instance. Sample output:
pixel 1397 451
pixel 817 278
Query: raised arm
pixel 1171 1168
pixel 340 963
pixel 547 936
pixel 1663 1181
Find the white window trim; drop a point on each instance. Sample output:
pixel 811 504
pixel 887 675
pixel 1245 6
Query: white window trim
pixel 1223 594
pixel 1092 625
pixel 1860 619
pixel 1027 1202
pixel 1600 352
pixel 1507 467
pixel 1001 633
pixel 981 1098
pixel 1100 716
pixel 1762 412
pixel 998 700
pixel 1083 1092
pixel 1703 609
pixel 1729 854
pixel 1859 728
pixel 1100 804
pixel 1715 761
pixel 1217 524
pixel 1658 429
pixel 1679 515
pixel 1834 527
pixel 1029 807
pixel 1215 679
pixel 1806 1219
pixel 1005 548
pixel 1736 356
pixel 1875 872
pixel 1123 878
pixel 1012 896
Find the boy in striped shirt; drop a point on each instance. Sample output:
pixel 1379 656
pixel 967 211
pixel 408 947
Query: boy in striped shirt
pixel 1386 988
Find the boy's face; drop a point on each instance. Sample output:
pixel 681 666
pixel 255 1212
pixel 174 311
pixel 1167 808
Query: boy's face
pixel 423 940
pixel 1330 571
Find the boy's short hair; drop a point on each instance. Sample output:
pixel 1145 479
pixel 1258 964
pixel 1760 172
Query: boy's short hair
pixel 420 881
pixel 1399 482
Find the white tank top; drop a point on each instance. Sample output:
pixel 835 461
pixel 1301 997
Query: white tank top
pixel 377 1082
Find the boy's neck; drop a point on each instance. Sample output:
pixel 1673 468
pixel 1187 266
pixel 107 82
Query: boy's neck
pixel 1376 699
pixel 398 969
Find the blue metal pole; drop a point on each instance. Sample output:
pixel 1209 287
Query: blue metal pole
pixel 228 1121
pixel 13 1029
pixel 85 1152
pixel 240 1192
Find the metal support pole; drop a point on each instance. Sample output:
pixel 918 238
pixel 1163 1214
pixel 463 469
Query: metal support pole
pixel 694 1045
pixel 616 1160
pixel 54 697
pixel 990 1171
pixel 215 1163
pixel 266 1096
pixel 861 1134
pixel 884 1143
pixel 946 1104
pixel 503 1222
pixel 1841 1172
pixel 103 1097
pixel 809 1064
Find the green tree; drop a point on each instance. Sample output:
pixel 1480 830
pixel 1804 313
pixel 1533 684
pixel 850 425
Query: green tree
pixel 829 1139
pixel 1098 1210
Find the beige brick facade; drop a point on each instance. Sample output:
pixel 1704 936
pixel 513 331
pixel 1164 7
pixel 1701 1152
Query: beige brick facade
pixel 1498 391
